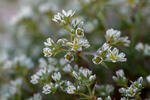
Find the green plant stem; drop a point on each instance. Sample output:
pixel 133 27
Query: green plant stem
pixel 89 89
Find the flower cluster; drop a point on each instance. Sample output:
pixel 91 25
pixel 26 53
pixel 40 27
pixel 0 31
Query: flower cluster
pixel 77 43
pixel 120 78
pixel 107 54
pixel 145 49
pixel 45 70
pixel 19 61
pixel 83 76
pixel 133 90
pixel 64 17
pixel 14 86
pixel 50 76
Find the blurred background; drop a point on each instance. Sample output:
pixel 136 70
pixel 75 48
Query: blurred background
pixel 25 24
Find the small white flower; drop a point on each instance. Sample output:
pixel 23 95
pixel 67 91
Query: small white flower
pixel 56 76
pixel 86 72
pixel 92 77
pixel 42 63
pixel 47 52
pixel 97 60
pixel 36 96
pixel 47 88
pixel 148 78
pixel 120 73
pixel 79 32
pixel 41 72
pixel 25 12
pixel 62 61
pixel 99 98
pixel 49 42
pixel 125 41
pixel 69 57
pixel 34 79
pixel 139 46
pixel 147 50
pixel 114 56
pixel 71 89
pixel 68 13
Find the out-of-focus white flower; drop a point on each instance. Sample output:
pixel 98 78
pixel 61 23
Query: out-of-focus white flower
pixel 147 50
pixel 47 7
pixel 71 89
pixel 123 98
pixel 47 52
pixel 99 98
pixel 47 88
pixel 56 76
pixel 139 46
pixel 148 78
pixel 67 68
pixel 62 61
pixel 36 96
pixel 34 79
pixel 52 61
pixel 120 78
pixel 120 73
pixel 25 12
pixel 42 63
pixel 16 82
pixel 108 98
pixel 92 77
pixel 114 56
pixel 49 42
pixel 8 64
